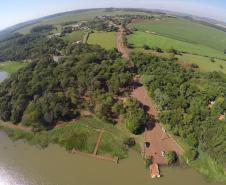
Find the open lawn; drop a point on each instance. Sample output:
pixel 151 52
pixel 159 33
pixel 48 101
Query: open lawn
pixel 204 63
pixel 74 36
pixel 139 39
pixel 187 31
pixel 106 40
pixel 12 66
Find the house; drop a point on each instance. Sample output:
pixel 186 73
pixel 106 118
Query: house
pixel 58 58
pixel 54 35
pixel 211 103
pixel 222 117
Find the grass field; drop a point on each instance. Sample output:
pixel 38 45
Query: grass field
pixel 74 36
pixel 11 66
pixel 106 40
pixel 138 39
pixel 187 31
pixel 204 63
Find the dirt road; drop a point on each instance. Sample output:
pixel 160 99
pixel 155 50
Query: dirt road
pixel 120 44
pixel 158 138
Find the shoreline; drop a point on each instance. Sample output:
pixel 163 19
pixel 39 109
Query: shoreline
pixel 26 136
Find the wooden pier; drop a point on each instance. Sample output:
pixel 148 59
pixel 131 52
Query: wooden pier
pixel 94 154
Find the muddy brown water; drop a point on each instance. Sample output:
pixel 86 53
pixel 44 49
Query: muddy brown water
pixel 22 164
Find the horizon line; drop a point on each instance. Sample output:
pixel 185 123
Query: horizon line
pixel 123 8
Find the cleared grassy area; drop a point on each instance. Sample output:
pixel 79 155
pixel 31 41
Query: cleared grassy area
pixel 74 36
pixel 106 40
pixel 80 135
pixel 12 66
pixel 112 139
pixel 139 39
pixel 187 31
pixel 204 63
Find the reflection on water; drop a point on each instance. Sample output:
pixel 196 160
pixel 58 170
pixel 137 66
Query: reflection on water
pixel 21 164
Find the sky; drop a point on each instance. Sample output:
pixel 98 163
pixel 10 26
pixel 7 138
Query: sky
pixel 16 11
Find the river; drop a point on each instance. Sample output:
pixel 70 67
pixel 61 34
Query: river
pixel 22 164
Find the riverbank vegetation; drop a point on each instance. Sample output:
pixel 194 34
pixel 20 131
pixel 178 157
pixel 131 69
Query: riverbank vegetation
pixel 80 135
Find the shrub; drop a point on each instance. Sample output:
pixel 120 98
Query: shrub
pixel 191 154
pixel 194 66
pixel 171 157
pixel 159 50
pixel 146 47
pixel 129 142
pixel 148 161
pixel 212 60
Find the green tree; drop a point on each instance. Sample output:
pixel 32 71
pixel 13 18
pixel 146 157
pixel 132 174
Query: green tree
pixel 171 156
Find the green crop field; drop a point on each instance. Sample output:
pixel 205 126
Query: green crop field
pixel 138 39
pixel 204 63
pixel 185 30
pixel 106 40
pixel 74 36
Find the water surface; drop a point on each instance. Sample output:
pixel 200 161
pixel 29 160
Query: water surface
pixel 3 76
pixel 22 164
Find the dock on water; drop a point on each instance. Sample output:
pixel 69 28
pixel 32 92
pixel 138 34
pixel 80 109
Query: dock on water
pixel 154 170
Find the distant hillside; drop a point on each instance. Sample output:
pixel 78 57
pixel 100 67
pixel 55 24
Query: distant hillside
pixel 58 18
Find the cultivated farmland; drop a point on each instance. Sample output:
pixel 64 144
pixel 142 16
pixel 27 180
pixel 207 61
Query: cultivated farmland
pixel 185 30
pixel 139 39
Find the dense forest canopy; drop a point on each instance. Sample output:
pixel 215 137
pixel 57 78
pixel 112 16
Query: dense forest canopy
pixel 30 46
pixel 89 78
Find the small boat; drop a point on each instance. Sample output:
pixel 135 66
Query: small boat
pixel 154 170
